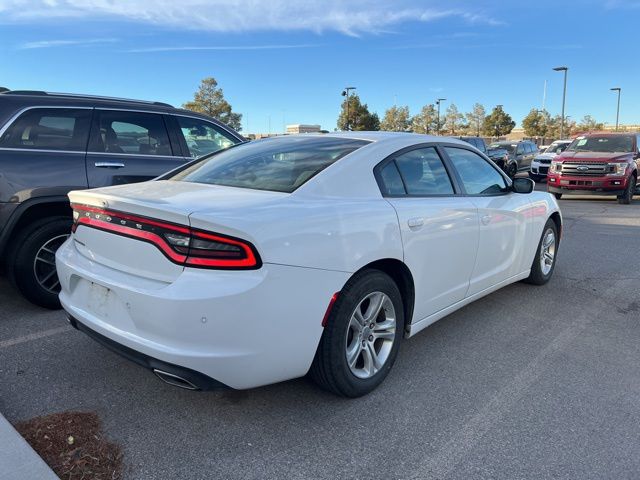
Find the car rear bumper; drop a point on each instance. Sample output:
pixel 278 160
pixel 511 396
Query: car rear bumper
pixel 241 329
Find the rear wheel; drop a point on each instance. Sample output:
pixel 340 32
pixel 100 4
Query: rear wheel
pixel 544 261
pixel 627 196
pixel 33 267
pixel 361 340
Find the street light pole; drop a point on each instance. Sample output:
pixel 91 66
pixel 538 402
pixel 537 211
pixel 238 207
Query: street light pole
pixel 345 93
pixel 438 124
pixel 564 97
pixel 619 90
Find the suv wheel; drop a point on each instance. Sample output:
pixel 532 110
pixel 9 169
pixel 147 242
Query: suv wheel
pixel 360 342
pixel 33 268
pixel 627 196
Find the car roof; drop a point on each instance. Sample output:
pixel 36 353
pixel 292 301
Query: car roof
pixel 377 137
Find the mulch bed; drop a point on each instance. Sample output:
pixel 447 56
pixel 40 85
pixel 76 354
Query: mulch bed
pixel 74 446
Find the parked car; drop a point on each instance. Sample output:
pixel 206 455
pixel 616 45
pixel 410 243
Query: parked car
pixel 500 156
pixel 296 254
pixel 53 143
pixel 598 163
pixel 540 164
pixel 522 153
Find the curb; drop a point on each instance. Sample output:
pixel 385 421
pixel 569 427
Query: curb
pixel 18 459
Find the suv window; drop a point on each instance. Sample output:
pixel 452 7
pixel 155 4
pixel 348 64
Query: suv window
pixel 49 129
pixel 130 133
pixel 203 137
pixel 477 175
pixel 520 149
pixel 423 172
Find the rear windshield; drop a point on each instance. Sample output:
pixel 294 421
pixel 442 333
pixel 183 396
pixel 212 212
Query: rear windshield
pixel 279 164
pixel 508 147
pixel 604 143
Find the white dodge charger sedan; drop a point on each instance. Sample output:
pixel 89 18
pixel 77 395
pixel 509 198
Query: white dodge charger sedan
pixel 299 254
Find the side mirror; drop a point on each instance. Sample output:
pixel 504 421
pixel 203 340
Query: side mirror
pixel 523 185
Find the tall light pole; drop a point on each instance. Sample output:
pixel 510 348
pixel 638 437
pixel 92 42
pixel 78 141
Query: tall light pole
pixel 564 97
pixel 345 93
pixel 619 90
pixel 438 101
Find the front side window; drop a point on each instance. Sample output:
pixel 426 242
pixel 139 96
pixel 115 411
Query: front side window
pixel 203 137
pixel 49 129
pixel 477 175
pixel 130 133
pixel 280 164
pixel 423 172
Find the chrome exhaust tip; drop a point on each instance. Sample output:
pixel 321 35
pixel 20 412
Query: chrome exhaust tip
pixel 174 380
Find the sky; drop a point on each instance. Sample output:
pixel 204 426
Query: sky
pixel 284 62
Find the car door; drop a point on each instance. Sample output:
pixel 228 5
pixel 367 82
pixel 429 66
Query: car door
pixel 439 228
pixel 42 152
pixel 502 215
pixel 129 146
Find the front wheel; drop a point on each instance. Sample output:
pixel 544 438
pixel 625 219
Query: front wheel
pixel 544 261
pixel 627 196
pixel 33 268
pixel 361 339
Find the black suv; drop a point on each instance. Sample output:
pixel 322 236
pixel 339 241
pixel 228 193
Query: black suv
pixel 522 152
pixel 52 143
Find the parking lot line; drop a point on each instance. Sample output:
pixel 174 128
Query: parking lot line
pixel 33 336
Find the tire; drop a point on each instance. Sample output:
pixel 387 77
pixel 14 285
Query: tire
pixel 627 196
pixel 536 178
pixel 557 195
pixel 512 170
pixel 341 337
pixel 540 275
pixel 34 258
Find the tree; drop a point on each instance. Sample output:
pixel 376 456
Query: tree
pixel 588 123
pixel 498 123
pixel 359 116
pixel 396 119
pixel 537 123
pixel 553 130
pixel 426 121
pixel 476 118
pixel 209 100
pixel 453 120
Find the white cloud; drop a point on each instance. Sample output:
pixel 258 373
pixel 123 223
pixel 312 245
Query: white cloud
pixel 221 47
pixel 352 17
pixel 65 43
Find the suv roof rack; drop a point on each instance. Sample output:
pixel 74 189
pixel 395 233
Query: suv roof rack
pixel 78 95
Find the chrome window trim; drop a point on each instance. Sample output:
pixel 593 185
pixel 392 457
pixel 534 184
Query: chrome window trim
pixel 42 150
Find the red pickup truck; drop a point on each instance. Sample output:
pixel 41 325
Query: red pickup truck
pixel 598 163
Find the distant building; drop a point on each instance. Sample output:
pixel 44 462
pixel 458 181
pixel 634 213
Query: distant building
pixel 303 128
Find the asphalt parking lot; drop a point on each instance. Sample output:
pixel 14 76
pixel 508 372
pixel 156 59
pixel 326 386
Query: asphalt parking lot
pixel 529 382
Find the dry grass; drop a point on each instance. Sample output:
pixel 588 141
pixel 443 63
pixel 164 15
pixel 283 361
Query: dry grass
pixel 74 446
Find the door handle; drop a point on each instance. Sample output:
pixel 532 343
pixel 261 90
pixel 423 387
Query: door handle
pixel 109 164
pixel 486 219
pixel 415 222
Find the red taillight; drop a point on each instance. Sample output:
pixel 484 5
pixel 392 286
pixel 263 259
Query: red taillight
pixel 180 244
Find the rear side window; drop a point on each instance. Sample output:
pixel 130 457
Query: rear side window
pixel 423 172
pixel 281 164
pixel 391 181
pixel 203 137
pixel 130 133
pixel 49 129
pixel 477 175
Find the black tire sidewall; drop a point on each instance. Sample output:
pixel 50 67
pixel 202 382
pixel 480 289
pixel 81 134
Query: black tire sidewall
pixel 334 337
pixel 536 276
pixel 29 242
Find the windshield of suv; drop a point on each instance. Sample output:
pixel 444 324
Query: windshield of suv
pixel 602 143
pixel 280 164
pixel 557 148
pixel 507 146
